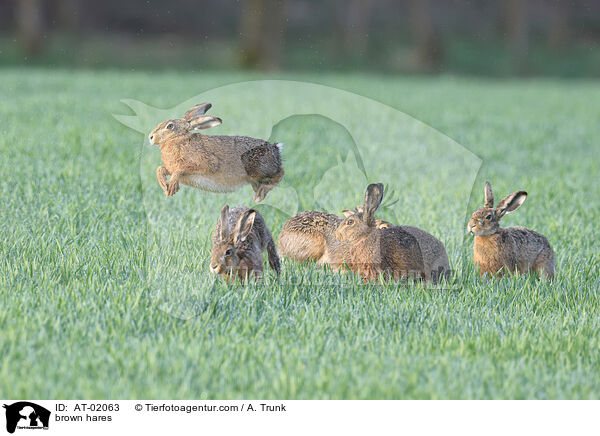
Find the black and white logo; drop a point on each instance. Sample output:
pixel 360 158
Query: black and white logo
pixel 26 415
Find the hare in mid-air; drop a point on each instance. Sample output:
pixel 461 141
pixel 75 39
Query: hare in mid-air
pixel 435 258
pixel 370 251
pixel 239 239
pixel 512 249
pixel 213 163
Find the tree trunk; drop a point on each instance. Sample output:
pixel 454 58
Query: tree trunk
pixel 67 14
pixel 558 35
pixel 517 29
pixel 356 26
pixel 252 18
pixel 428 45
pixel 262 32
pixel 30 25
pixel 273 36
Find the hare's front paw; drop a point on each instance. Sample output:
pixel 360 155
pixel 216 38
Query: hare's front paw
pixel 161 175
pixel 173 185
pixel 172 188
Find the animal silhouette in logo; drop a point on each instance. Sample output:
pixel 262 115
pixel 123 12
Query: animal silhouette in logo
pixel 26 414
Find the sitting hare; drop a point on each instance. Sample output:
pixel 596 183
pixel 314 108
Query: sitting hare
pixel 213 163
pixel 371 251
pixel 239 239
pixel 435 258
pixel 512 249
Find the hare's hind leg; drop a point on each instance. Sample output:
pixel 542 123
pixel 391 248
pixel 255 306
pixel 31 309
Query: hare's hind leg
pixel 544 264
pixel 265 172
pixel 273 256
pixel 261 191
pixel 265 184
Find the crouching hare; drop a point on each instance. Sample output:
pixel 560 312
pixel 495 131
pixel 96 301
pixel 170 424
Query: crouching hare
pixel 435 258
pixel 512 249
pixel 213 163
pixel 309 235
pixel 239 239
pixel 371 251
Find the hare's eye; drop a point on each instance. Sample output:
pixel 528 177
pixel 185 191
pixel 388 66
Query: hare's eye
pixel 350 222
pixel 228 252
pixel 170 126
pixel 488 217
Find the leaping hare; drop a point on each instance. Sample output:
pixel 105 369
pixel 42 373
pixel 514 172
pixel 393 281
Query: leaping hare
pixel 512 249
pixel 371 251
pixel 213 163
pixel 239 239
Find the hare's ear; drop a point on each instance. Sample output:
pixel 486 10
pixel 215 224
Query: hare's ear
pixel 510 203
pixel 488 195
pixel 244 226
pixel 196 111
pixel 224 222
pixel 348 212
pixel 204 122
pixel 381 224
pixel 373 198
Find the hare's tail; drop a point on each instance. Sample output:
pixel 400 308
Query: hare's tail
pixel 273 256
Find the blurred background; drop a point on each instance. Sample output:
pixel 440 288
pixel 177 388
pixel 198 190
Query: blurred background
pixel 484 37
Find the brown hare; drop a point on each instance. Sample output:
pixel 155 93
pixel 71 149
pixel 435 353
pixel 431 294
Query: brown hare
pixel 512 249
pixel 239 239
pixel 213 163
pixel 309 236
pixel 372 252
pixel 435 258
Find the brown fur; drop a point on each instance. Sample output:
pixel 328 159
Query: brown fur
pixel 213 163
pixel 435 258
pixel 380 224
pixel 239 239
pixel 371 252
pixel 499 250
pixel 389 252
pixel 305 236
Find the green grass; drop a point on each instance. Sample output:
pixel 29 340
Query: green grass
pixel 84 238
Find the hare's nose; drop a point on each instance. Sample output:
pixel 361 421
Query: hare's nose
pixel 214 268
pixel 151 138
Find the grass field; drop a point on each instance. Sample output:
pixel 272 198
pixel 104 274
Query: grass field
pixel 81 254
